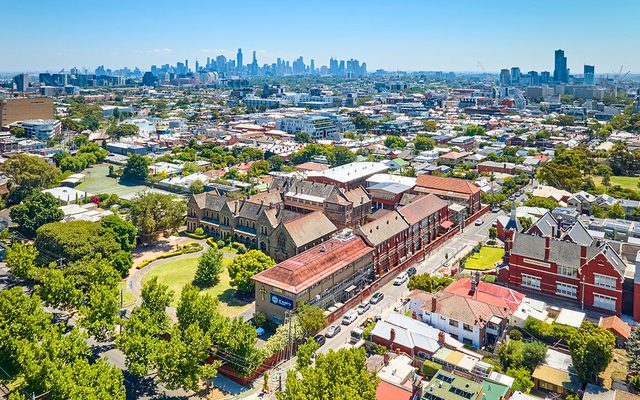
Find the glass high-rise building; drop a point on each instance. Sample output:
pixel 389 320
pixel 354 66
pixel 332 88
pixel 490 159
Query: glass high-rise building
pixel 239 60
pixel 589 75
pixel 560 72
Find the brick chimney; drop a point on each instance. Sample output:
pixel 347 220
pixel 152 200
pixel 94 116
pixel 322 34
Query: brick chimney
pixel 441 337
pixel 547 247
pixel 392 334
pixel 434 303
pixel 583 255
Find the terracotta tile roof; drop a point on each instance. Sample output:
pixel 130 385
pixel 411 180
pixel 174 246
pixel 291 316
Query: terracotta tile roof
pixel 488 293
pixel 421 207
pixel 453 155
pixel 447 184
pixel 312 166
pixel 617 325
pixel 309 267
pixel 387 391
pixel 309 227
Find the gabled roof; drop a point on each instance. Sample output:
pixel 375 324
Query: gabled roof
pixel 578 234
pixel 447 184
pixel 615 324
pixel 489 293
pixel 421 207
pixel 386 227
pixel 546 225
pixel 309 227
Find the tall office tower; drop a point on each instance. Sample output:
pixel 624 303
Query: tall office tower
pixel 589 75
pixel 333 67
pixel 22 82
pixel 312 67
pixel 341 68
pixel 239 60
pixel 534 78
pixel 197 66
pixel 505 77
pixel 254 64
pixel 186 66
pixel 208 63
pixel 221 63
pixel 515 75
pixel 560 73
pixel 545 76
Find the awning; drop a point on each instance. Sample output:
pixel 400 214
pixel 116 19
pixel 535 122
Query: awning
pixel 350 288
pixel 447 224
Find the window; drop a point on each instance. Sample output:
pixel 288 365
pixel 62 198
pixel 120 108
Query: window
pixel 604 281
pixel 564 289
pixel 467 327
pixel 530 281
pixel 453 323
pixel 604 302
pixel 567 271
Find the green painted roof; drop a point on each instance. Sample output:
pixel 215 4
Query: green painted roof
pixel 494 390
pixel 447 386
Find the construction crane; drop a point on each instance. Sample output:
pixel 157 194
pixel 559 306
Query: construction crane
pixel 618 80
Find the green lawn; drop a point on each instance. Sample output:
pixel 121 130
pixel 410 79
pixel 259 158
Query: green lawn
pixel 128 299
pixel 485 259
pixel 178 273
pixel 626 182
pixel 97 181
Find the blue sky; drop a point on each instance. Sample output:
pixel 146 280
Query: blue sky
pixel 407 35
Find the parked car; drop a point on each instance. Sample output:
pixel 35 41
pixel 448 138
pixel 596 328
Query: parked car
pixel 400 279
pixel 495 209
pixel 320 339
pixel 411 271
pixel 479 222
pixel 349 317
pixel 356 335
pixel 363 307
pixel 376 298
pixel 333 330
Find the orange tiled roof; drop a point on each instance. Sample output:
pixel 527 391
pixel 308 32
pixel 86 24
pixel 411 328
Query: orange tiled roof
pixel 617 325
pixel 447 184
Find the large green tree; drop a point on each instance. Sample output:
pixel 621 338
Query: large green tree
pixel 311 318
pixel 153 213
pixel 338 374
pixel 209 268
pixel 136 168
pixel 124 231
pixel 36 210
pixel 117 132
pixel 30 171
pixel 21 259
pixel 244 266
pixel 591 351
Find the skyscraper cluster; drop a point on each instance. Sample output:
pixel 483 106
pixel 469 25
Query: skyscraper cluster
pixel 561 74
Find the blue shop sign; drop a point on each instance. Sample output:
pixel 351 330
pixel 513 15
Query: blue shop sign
pixel 281 301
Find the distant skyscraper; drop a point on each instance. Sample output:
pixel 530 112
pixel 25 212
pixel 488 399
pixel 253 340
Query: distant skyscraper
pixel 589 75
pixel 545 76
pixel 560 73
pixel 505 77
pixel 22 82
pixel 515 75
pixel 239 64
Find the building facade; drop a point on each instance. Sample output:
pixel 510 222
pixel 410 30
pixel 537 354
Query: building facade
pixel 25 108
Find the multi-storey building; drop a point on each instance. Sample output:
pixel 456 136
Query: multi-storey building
pixel 571 264
pixel 455 190
pixel 317 126
pixel 348 176
pixel 41 129
pixel 25 108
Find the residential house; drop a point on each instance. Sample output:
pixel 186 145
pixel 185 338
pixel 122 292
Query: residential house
pixel 556 374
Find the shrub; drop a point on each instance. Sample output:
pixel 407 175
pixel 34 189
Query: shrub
pixel 635 382
pixel 489 278
pixel 430 368
pixel 212 243
pixel 221 243
pixel 378 349
pixel 199 231
pixel 259 319
pixel 515 334
pixel 242 249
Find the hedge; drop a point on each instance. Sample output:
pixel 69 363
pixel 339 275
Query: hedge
pixel 194 236
pixel 430 368
pixel 192 247
pixel 211 242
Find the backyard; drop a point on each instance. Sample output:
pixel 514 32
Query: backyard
pixel 97 181
pixel 178 273
pixel 626 182
pixel 485 259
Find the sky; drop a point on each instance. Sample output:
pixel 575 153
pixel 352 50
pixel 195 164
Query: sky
pixel 425 35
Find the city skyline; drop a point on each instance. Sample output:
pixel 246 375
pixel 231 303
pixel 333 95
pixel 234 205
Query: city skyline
pixel 433 36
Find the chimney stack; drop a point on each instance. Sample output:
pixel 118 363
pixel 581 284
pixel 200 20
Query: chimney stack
pixel 547 247
pixel 392 335
pixel 441 337
pixel 434 303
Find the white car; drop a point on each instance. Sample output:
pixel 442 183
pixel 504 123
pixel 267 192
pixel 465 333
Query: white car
pixel 479 222
pixel 363 307
pixel 349 317
pixel 400 279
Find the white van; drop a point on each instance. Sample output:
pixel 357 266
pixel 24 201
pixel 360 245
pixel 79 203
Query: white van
pixel 349 317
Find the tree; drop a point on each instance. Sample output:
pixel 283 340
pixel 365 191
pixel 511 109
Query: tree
pixel 117 132
pixel 633 352
pixel 427 282
pixel 139 341
pixel 57 290
pixel 101 312
pixel 561 176
pixel 361 121
pixel 36 210
pixel 533 354
pixel 137 168
pixel 21 259
pixel 430 125
pixel 493 233
pixel 152 213
pixel 209 268
pixel 543 202
pixel 275 163
pixel 194 308
pixel 124 231
pixel 302 137
pixel 338 374
pixel 244 266
pixel 341 155
pixel 156 297
pixel 258 168
pixel 17 131
pixel 180 361
pixel 597 211
pixel 305 353
pixel 422 143
pixel 395 142
pixel 196 187
pixel 591 351
pixel 522 379
pixel 474 130
pixel 30 171
pixel 311 318
pixel 616 211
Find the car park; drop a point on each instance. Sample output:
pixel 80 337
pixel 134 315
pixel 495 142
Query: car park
pixel 400 279
pixel 333 330
pixel 376 298
pixel 349 317
pixel 363 308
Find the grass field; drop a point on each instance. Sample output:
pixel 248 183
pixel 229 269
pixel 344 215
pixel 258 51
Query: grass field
pixel 626 182
pixel 128 299
pixel 485 259
pixel 97 181
pixel 178 273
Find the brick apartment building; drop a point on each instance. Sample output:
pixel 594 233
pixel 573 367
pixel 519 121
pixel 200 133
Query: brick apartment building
pixel 456 190
pixel 25 108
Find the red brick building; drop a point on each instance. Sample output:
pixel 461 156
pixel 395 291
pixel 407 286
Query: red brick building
pixel 451 189
pixel 570 264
